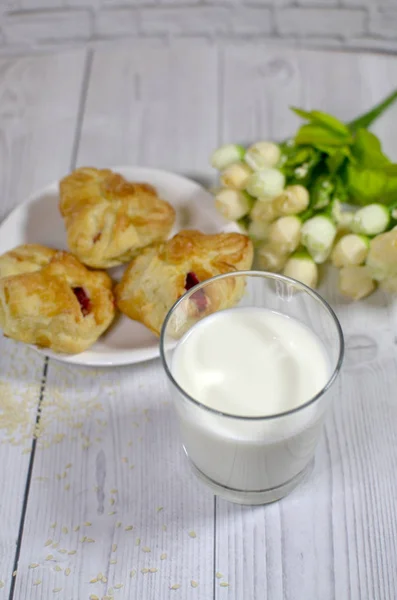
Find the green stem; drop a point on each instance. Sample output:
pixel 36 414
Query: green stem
pixel 365 120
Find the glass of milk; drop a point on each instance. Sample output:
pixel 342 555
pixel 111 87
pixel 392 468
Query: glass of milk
pixel 251 384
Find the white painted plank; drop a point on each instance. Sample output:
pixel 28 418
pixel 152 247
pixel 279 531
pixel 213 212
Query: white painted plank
pixel 153 105
pixel 120 434
pixel 165 128
pixel 259 83
pixel 334 537
pixel 39 100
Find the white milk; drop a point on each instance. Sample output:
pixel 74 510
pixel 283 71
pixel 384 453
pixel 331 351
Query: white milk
pixel 250 362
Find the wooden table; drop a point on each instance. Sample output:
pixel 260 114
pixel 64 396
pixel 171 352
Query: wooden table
pixel 105 487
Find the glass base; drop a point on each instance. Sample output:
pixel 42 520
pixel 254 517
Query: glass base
pixel 255 497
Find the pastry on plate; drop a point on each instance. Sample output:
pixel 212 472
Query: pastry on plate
pixel 56 302
pixel 108 218
pixel 25 259
pixel 162 273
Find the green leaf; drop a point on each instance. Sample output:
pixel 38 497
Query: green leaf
pixel 366 119
pixel 390 169
pixel 390 194
pixel 331 122
pixel 318 135
pixel 367 150
pixel 341 192
pixel 321 118
pixel 366 185
pixel 321 192
pixel 299 165
pixel 336 160
pixel 302 113
pixel 299 155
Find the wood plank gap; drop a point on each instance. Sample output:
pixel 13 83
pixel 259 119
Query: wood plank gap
pixel 214 567
pixel 80 117
pixel 28 479
pixel 82 106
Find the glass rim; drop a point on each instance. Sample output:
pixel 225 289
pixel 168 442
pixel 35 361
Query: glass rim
pixel 265 275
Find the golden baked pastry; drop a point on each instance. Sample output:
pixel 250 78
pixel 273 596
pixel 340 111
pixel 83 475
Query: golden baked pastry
pixel 56 303
pixel 108 218
pixel 163 272
pixel 25 259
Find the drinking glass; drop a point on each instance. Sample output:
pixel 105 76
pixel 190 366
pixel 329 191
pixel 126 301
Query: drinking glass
pixel 250 459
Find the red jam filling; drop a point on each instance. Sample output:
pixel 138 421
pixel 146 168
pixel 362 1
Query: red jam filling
pixel 84 301
pixel 191 281
pixel 199 297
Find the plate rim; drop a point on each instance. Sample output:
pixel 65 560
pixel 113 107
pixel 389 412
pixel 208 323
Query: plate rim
pixel 150 353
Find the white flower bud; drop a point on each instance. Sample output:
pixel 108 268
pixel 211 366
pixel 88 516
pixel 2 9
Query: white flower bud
pixel 342 218
pixel 258 230
pixel 264 210
pixel 286 233
pixel 371 219
pixel 262 155
pixel 262 214
pixel 301 266
pixel 356 282
pixel 269 257
pixel 351 249
pixel 268 182
pixel 382 256
pixel 227 155
pixel 294 200
pixel 233 204
pixel 236 176
pixel 318 235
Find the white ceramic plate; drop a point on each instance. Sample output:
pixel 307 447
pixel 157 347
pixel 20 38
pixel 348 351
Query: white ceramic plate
pixel 38 221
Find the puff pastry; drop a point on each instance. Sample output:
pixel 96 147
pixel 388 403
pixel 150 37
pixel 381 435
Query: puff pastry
pixel 163 272
pixel 25 259
pixel 56 302
pixel 108 218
